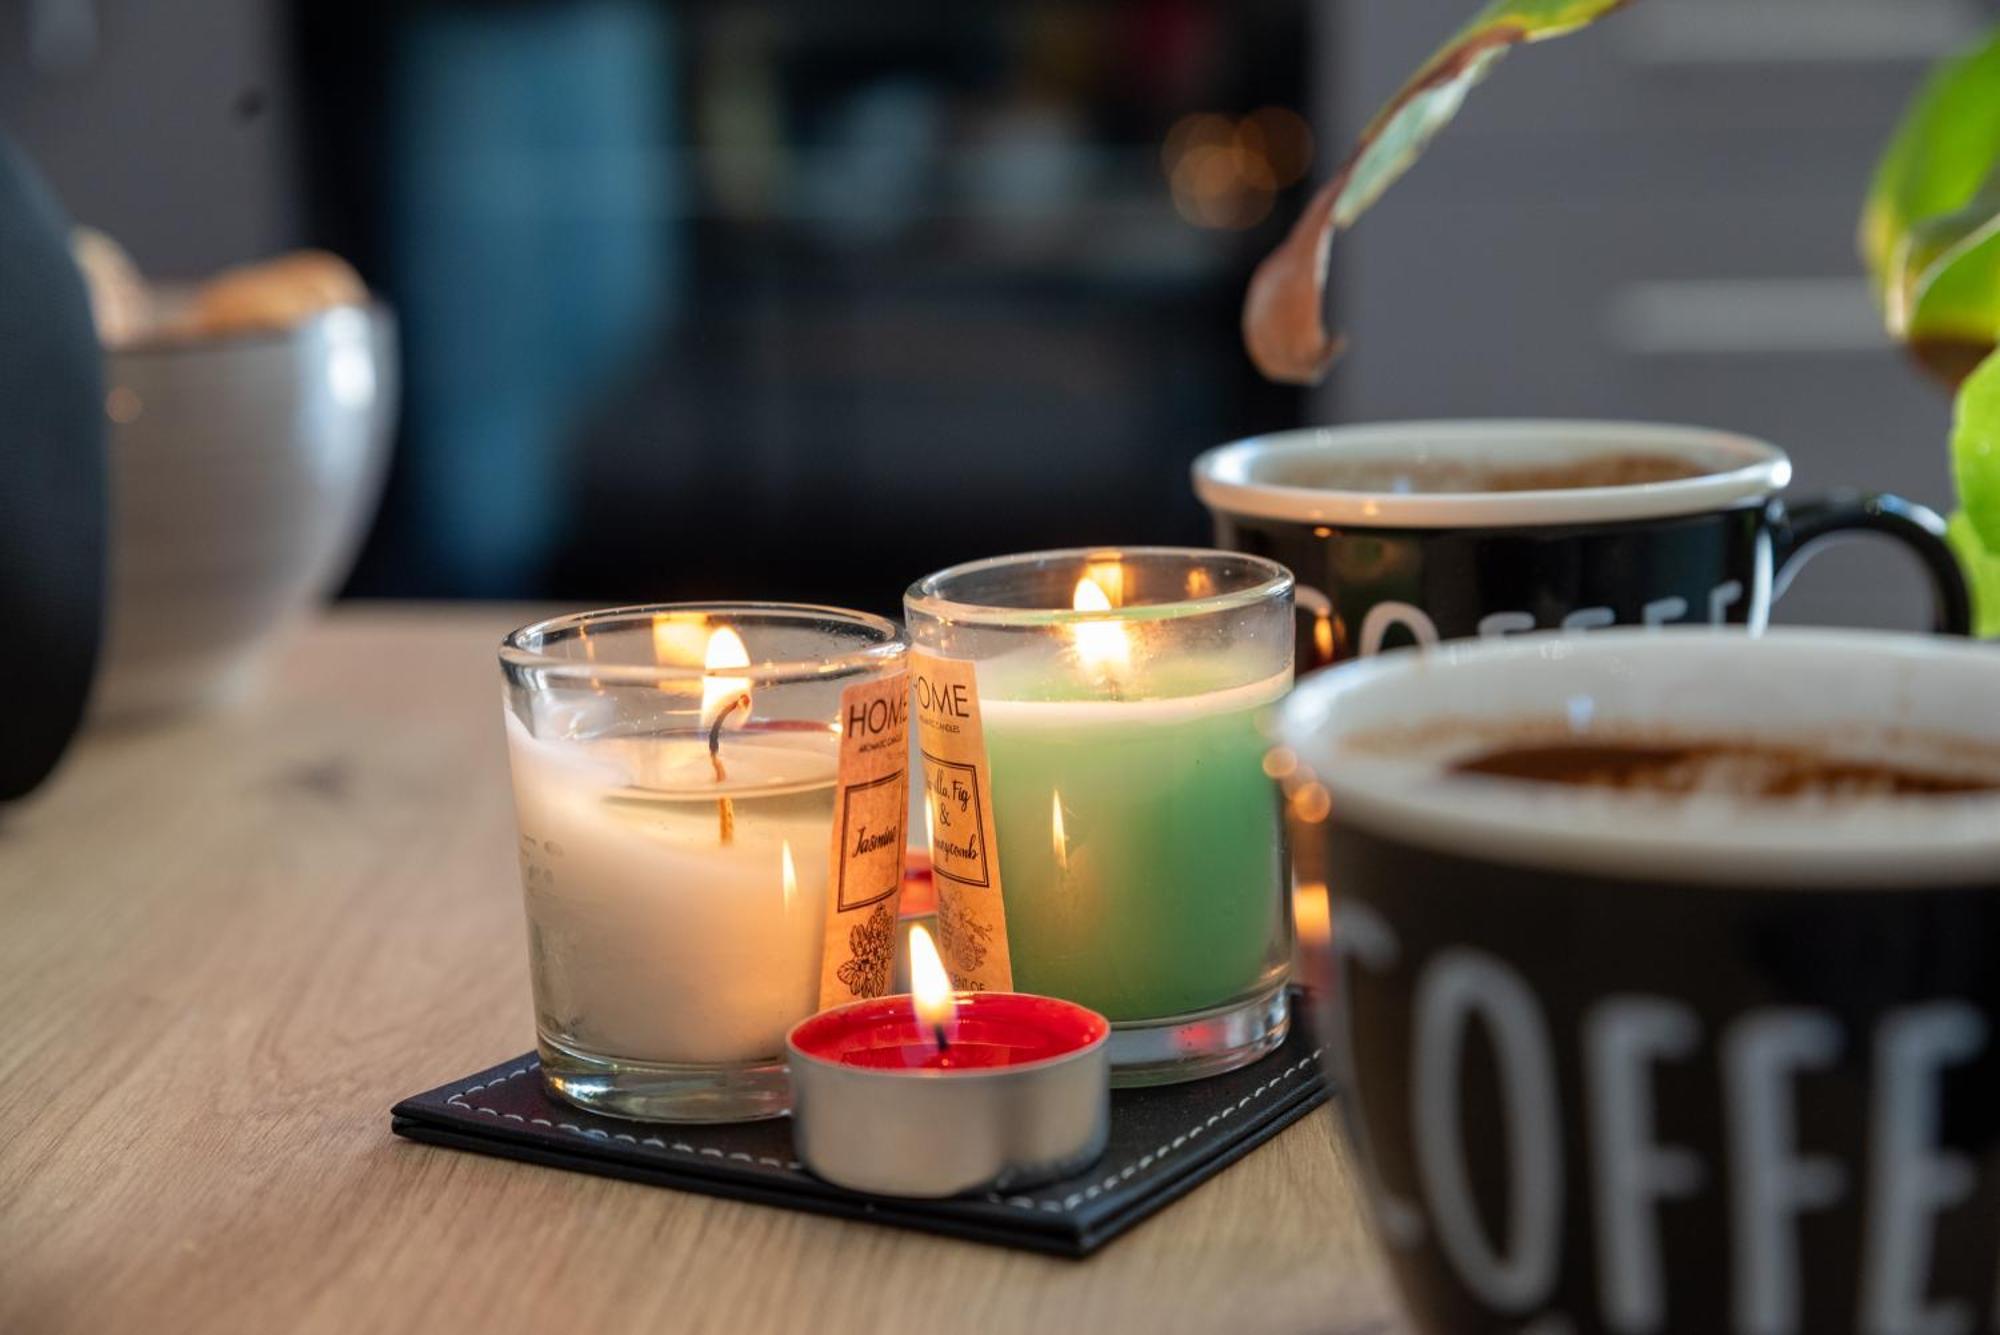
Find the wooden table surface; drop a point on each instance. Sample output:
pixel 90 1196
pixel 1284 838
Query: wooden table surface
pixel 228 945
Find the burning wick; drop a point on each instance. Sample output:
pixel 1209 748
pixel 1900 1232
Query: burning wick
pixel 930 987
pixel 722 696
pixel 715 735
pixel 725 808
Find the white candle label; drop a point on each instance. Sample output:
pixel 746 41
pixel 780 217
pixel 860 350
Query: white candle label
pixel 972 921
pixel 872 798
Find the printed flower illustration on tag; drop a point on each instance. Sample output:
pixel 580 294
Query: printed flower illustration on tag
pixel 873 951
pixel 962 939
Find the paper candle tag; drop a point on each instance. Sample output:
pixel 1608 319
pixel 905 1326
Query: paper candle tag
pixel 965 860
pixel 865 870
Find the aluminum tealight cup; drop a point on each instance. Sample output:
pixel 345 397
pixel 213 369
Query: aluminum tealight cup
pixel 939 1133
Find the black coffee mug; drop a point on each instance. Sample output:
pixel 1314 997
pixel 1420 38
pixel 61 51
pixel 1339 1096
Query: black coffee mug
pixel 1379 567
pixel 1612 1063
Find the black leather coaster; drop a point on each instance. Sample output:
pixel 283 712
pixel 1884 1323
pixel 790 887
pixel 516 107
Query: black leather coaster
pixel 1164 1142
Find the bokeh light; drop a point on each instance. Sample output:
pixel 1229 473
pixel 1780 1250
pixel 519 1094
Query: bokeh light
pixel 1226 172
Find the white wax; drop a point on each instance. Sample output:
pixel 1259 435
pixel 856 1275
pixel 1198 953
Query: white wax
pixel 651 939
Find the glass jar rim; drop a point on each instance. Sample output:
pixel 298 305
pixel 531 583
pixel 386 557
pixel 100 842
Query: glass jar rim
pixel 889 645
pixel 925 596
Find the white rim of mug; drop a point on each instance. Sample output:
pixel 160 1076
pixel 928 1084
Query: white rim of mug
pixel 1905 843
pixel 1225 477
pixel 926 597
pixel 884 652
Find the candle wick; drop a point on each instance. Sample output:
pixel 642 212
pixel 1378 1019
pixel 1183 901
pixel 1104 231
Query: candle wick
pixel 943 1043
pixel 715 734
pixel 725 810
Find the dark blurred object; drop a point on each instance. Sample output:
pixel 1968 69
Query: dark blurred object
pixel 799 300
pixel 52 481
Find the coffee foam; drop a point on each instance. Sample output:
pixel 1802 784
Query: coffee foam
pixel 1738 765
pixel 1432 476
pixel 1921 703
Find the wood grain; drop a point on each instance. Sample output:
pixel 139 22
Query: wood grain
pixel 227 946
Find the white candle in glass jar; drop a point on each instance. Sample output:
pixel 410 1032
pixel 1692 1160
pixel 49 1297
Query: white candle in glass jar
pixel 654 940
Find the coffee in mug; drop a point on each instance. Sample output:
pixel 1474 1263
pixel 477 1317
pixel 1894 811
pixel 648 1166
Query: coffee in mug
pixel 1668 764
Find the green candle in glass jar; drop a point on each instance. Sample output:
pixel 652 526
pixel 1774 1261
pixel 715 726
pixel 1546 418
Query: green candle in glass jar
pixel 1137 839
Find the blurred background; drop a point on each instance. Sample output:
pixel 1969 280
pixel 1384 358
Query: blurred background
pixel 804 300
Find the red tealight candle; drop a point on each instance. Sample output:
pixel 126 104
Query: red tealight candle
pixel 939 1093
pixel 991 1029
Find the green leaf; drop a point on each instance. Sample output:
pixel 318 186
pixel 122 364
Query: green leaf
pixel 1284 322
pixel 1982 575
pixel 1975 452
pixel 1930 230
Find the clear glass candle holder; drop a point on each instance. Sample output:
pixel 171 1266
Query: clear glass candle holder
pixel 674 777
pixel 1140 849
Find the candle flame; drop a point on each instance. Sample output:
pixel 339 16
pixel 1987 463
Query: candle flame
pixel 1058 837
pixel 930 985
pixel 1107 572
pixel 721 694
pixel 791 874
pixel 1100 644
pixel 679 638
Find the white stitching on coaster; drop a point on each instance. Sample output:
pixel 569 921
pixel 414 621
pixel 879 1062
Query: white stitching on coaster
pixel 1063 1206
pixel 515 1074
pixel 459 1100
pixel 1154 1159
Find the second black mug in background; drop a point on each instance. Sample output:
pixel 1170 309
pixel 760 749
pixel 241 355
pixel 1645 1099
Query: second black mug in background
pixel 1415 532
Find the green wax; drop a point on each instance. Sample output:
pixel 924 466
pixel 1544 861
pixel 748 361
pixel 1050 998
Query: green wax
pixel 1164 895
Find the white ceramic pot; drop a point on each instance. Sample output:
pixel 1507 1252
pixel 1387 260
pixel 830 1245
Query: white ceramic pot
pixel 245 471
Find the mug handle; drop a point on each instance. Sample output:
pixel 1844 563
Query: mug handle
pixel 1797 529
